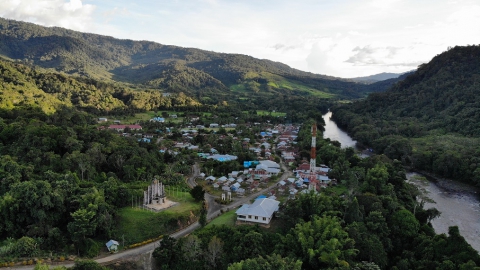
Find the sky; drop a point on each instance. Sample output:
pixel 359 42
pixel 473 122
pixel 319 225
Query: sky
pixel 342 38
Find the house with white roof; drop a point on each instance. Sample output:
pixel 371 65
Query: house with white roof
pixel 261 211
pixel 266 168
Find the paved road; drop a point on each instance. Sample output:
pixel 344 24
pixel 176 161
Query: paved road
pixel 214 210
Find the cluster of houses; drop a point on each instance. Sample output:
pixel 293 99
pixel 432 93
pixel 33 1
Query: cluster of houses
pixel 248 180
pixel 262 209
pixel 256 174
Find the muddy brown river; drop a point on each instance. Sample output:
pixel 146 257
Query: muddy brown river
pixel 459 204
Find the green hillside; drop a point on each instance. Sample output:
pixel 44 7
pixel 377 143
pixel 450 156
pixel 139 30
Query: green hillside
pixel 195 72
pixel 22 85
pixel 430 120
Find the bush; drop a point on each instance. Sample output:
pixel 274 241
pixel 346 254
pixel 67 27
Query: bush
pixel 26 247
pixel 88 248
pixel 88 265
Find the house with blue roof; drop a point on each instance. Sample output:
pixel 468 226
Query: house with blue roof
pixel 261 211
pixel 112 245
pixel 158 119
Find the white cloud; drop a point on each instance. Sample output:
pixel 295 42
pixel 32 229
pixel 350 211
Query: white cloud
pixel 342 38
pixel 72 14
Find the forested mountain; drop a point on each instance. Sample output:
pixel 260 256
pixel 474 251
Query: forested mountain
pixel 22 85
pixel 376 77
pixel 430 120
pixel 197 73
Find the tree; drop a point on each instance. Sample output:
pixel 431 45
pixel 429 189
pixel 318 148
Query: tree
pixel 88 265
pixel 214 251
pixel 249 246
pixel 26 247
pixel 320 243
pixel 82 224
pixel 191 248
pixel 273 262
pixel 376 180
pixel 353 214
pixel 197 193
pixel 167 254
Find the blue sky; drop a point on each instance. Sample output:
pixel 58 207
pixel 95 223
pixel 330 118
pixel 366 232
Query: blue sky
pixel 344 38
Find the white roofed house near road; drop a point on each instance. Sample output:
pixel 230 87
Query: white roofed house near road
pixel 261 211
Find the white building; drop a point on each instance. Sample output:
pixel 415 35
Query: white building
pixel 261 211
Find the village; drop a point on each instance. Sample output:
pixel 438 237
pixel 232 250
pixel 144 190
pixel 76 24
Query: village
pixel 269 160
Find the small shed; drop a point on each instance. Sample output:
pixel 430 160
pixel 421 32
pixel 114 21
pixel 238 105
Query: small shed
pixel 112 245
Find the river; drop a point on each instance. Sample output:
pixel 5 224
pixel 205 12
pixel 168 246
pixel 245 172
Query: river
pixel 334 133
pixel 459 204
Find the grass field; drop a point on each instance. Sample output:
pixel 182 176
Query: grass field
pixel 276 82
pixel 136 225
pixel 261 112
pixel 339 189
pixel 143 117
pixel 227 218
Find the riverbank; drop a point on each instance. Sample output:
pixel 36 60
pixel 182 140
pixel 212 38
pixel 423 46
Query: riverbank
pixel 448 184
pixel 458 203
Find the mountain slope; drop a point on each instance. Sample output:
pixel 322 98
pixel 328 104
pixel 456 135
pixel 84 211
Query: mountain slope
pixel 376 77
pixel 22 85
pixel 430 120
pixel 444 94
pixel 170 68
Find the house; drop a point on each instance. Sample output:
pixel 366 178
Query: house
pixel 173 116
pixel 102 119
pixel 222 158
pixel 158 119
pixel 235 186
pixel 234 173
pixel 213 125
pixel 112 245
pixel 193 147
pixel 211 178
pixel 266 168
pixel 240 191
pixel 121 128
pixel 261 211
pixel 194 118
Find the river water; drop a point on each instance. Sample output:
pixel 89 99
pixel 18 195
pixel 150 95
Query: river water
pixel 459 204
pixel 334 133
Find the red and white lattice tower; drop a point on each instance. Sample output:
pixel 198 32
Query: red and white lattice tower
pixel 313 157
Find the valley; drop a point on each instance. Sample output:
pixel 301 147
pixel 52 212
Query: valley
pixel 89 122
